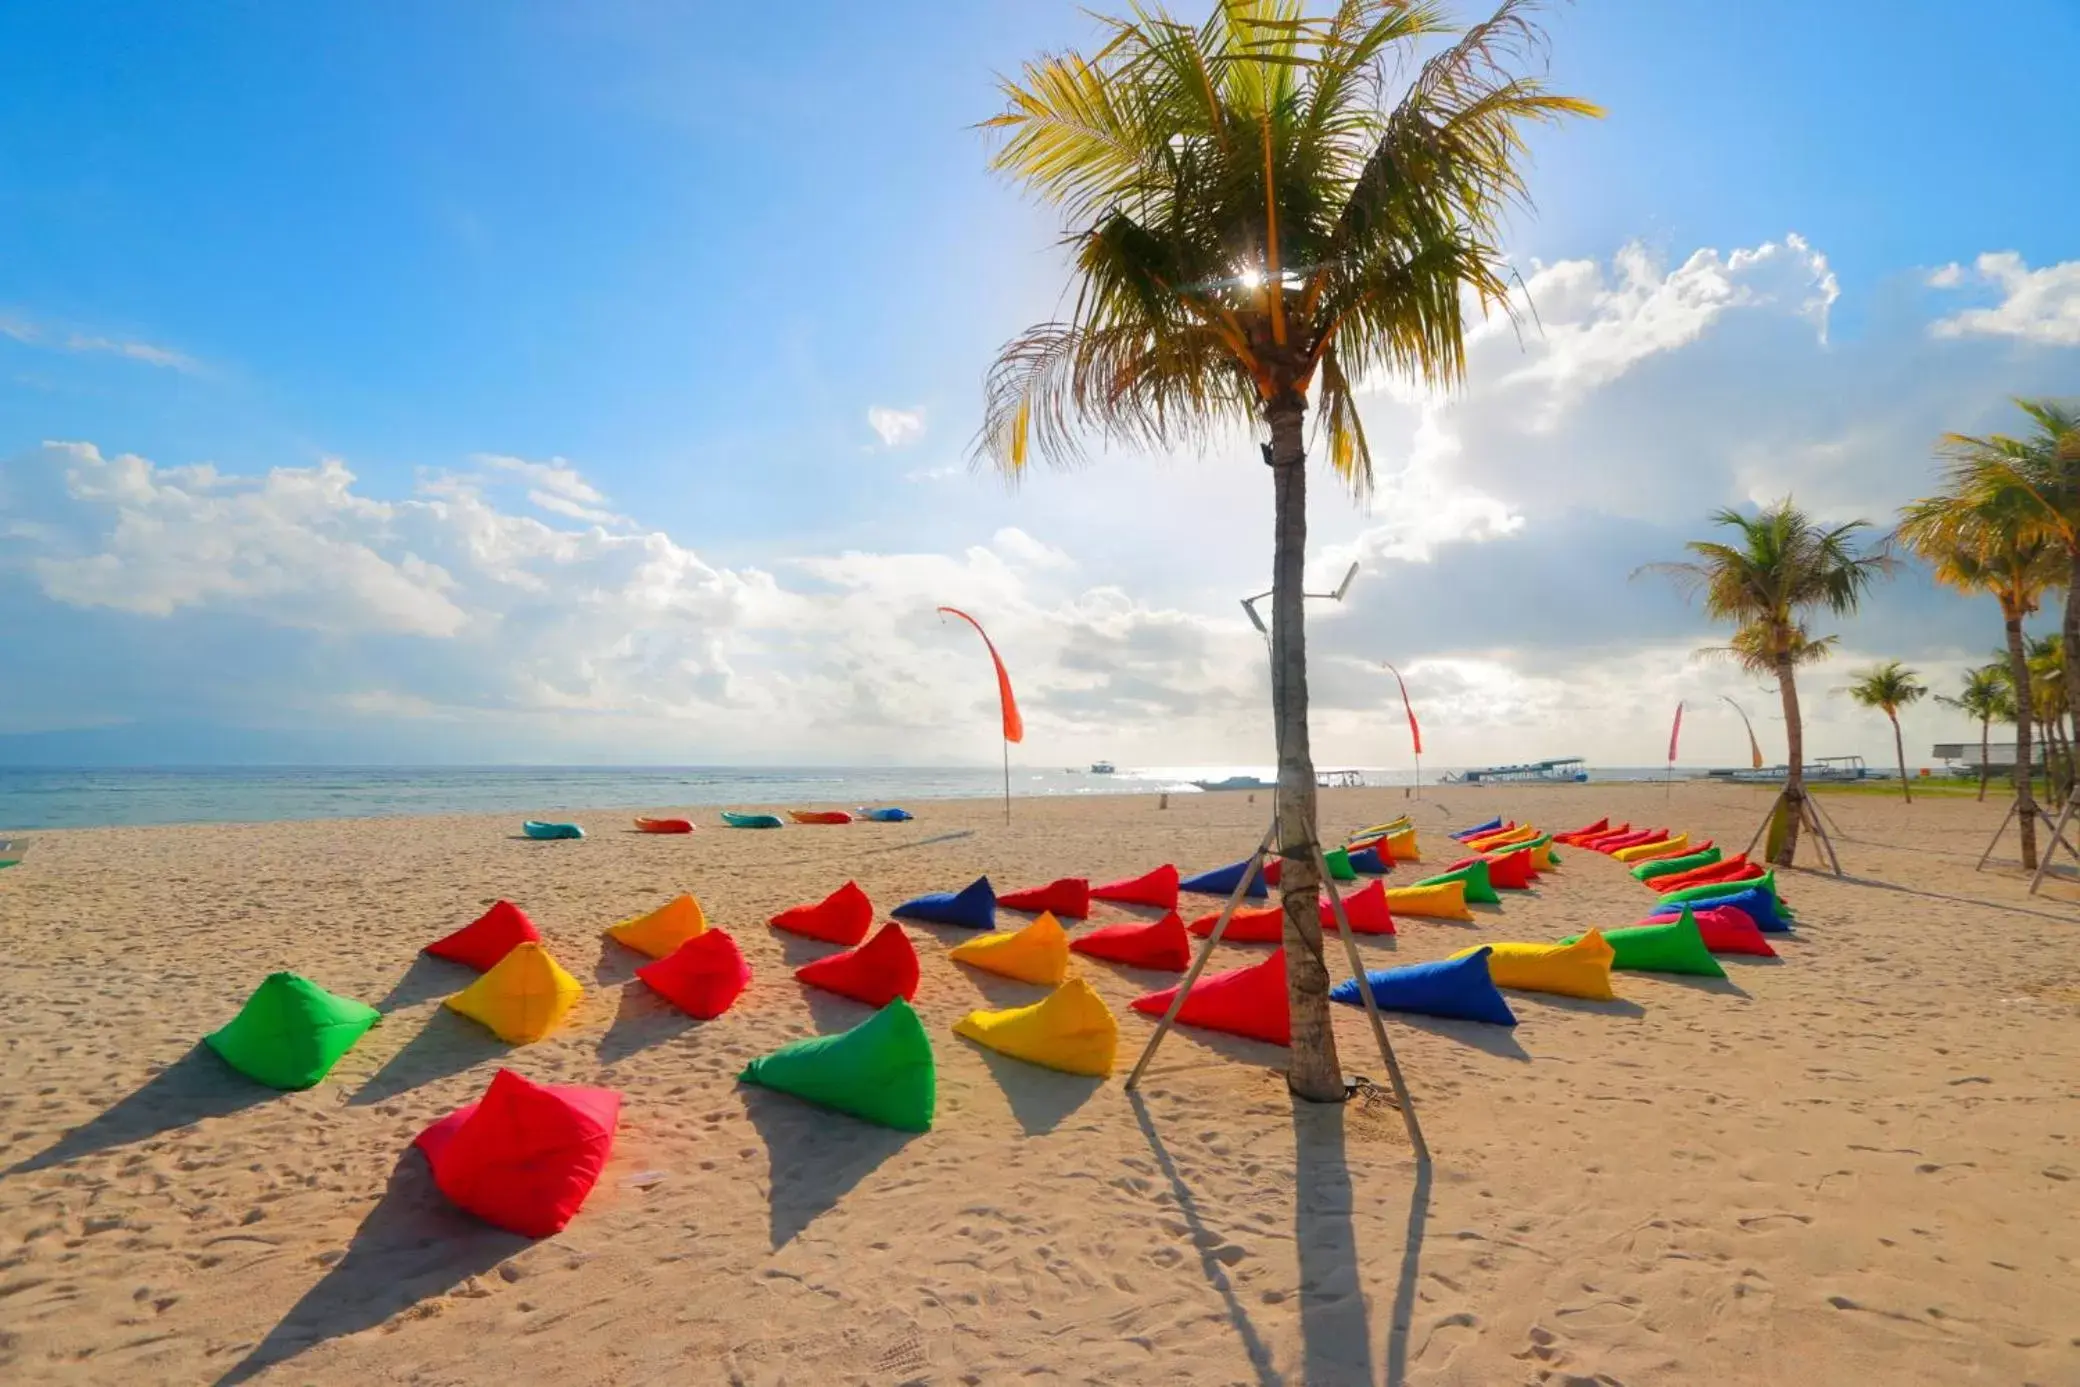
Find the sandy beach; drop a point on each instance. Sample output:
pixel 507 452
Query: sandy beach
pixel 1855 1164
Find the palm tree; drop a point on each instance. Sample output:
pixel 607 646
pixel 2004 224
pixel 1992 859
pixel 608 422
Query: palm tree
pixel 1982 534
pixel 1779 566
pixel 1252 226
pixel 2048 705
pixel 1890 687
pixel 1986 697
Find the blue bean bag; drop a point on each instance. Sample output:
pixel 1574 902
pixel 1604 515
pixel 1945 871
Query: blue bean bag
pixel 1221 881
pixel 890 815
pixel 1368 860
pixel 535 828
pixel 973 908
pixel 1458 988
pixel 1759 906
pixel 1478 829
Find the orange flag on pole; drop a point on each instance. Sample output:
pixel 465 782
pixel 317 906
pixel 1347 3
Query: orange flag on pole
pixel 1014 726
pixel 1415 733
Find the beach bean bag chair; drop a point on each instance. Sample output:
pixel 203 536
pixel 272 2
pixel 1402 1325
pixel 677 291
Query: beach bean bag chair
pixel 731 819
pixel 1038 953
pixel 702 977
pixel 1483 830
pixel 1366 909
pixel 974 906
pixel 524 1156
pixel 1678 844
pixel 1381 830
pixel 1369 861
pixel 1611 847
pixel 1759 906
pixel 877 972
pixel 1248 1002
pixel 524 997
pixel 1726 930
pixel 1403 846
pixel 664 825
pixel 1766 882
pixel 1510 871
pixel 488 938
pixel 1457 988
pixel 1262 925
pixel 842 917
pixel 290 1032
pixel 819 816
pixel 664 929
pixel 1339 864
pixel 1585 831
pixel 536 828
pixel 1676 865
pixel 1594 842
pixel 1497 842
pixel 1221 881
pixel 1159 944
pixel 890 815
pixel 880 1071
pixel 1735 868
pixel 1665 946
pixel 1668 853
pixel 1579 969
pixel 1067 899
pixel 1157 888
pixel 1475 875
pixel 1071 1029
pixel 1443 900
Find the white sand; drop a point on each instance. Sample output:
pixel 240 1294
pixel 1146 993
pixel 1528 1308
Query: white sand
pixel 1853 1166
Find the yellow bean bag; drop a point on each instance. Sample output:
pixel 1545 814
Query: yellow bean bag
pixel 1639 852
pixel 1446 900
pixel 1495 842
pixel 661 932
pixel 1402 845
pixel 1038 953
pixel 1071 1029
pixel 1580 969
pixel 1399 825
pixel 1541 850
pixel 525 996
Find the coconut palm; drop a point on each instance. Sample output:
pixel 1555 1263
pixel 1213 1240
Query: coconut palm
pixel 1254 226
pixel 1777 566
pixel 1983 535
pixel 1890 687
pixel 1984 696
pixel 2049 705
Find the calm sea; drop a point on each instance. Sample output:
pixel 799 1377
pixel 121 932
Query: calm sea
pixel 32 798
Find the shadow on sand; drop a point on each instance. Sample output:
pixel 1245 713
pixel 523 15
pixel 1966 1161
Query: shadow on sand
pixel 1499 1041
pixel 413 1245
pixel 198 1085
pixel 447 1044
pixel 641 1019
pixel 815 1157
pixel 426 979
pixel 1040 1098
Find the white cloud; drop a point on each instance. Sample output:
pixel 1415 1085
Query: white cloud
pixel 896 428
pixel 34 334
pixel 2036 305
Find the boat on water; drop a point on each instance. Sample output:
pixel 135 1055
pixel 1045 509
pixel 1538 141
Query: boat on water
pixel 1559 770
pixel 1103 768
pixel 1822 768
pixel 1236 782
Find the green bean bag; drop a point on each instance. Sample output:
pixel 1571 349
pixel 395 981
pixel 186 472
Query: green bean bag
pixel 1340 868
pixel 1669 866
pixel 881 1070
pixel 1475 874
pixel 291 1032
pixel 1676 946
pixel 1767 882
pixel 751 820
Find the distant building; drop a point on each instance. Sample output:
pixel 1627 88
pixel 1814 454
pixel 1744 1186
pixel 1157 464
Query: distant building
pixel 2000 756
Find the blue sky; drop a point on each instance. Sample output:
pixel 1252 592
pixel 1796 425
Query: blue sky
pixel 598 306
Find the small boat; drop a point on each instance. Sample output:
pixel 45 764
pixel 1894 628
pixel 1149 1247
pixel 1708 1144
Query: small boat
pixel 1235 782
pixel 751 820
pixel 819 816
pixel 537 828
pixel 1103 768
pixel 1559 770
pixel 664 825
pixel 888 815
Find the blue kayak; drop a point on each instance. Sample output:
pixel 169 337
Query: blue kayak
pixel 535 828
pixel 735 820
pixel 890 815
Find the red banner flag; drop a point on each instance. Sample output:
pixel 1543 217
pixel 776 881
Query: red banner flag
pixel 1675 733
pixel 1014 726
pixel 1415 732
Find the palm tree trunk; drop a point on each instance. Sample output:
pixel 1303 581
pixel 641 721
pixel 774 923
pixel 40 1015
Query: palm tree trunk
pixel 2071 628
pixel 1899 749
pixel 1795 749
pixel 1315 1071
pixel 1985 733
pixel 2025 796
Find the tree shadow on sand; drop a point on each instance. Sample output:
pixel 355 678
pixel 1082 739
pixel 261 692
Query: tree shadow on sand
pixel 1041 1098
pixel 641 1019
pixel 413 1245
pixel 1335 1331
pixel 426 979
pixel 447 1044
pixel 198 1085
pixel 815 1156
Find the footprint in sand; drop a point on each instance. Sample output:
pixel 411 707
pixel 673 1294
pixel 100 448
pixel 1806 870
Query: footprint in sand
pixel 1447 1337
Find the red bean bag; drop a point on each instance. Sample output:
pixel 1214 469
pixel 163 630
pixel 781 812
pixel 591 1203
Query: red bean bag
pixel 1511 871
pixel 842 917
pixel 524 1156
pixel 1068 898
pixel 1591 840
pixel 702 977
pixel 1242 1001
pixel 1157 888
pixel 1366 909
pixel 1726 929
pixel 1732 869
pixel 877 972
pixel 490 937
pixel 1263 924
pixel 1607 845
pixel 1585 831
pixel 1158 944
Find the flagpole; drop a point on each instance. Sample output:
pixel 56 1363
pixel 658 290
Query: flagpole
pixel 1007 781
